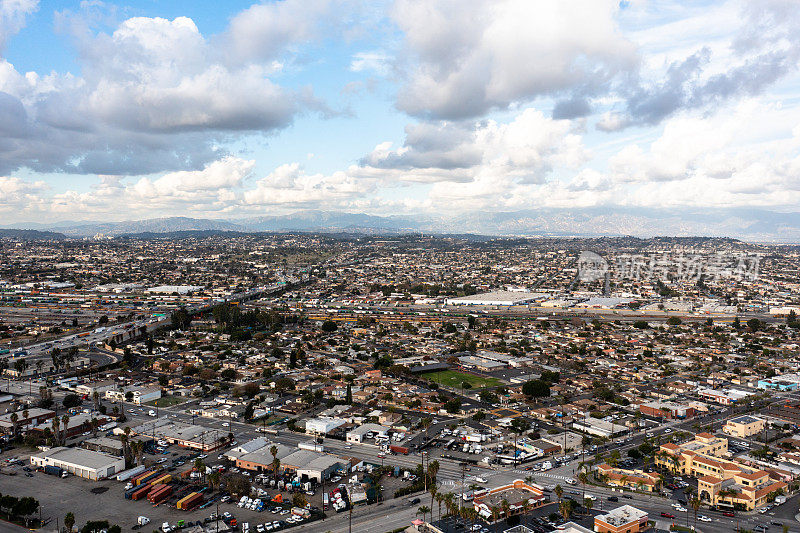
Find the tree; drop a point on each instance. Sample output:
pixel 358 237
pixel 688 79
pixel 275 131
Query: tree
pixel 565 509
pixel 536 388
pixel 695 503
pixel 754 324
pixel 559 491
pixel 518 426
pixel 95 526
pixel 276 463
pixel 181 319
pixel 299 499
pixel 69 521
pixel 452 406
pixel 588 503
pixel 423 510
pixel 329 326
pixel 71 400
pixel 238 485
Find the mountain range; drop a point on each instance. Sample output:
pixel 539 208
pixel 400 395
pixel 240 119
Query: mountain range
pixel 755 225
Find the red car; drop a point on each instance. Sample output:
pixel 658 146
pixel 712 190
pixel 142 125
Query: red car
pixel 667 515
pixel 728 513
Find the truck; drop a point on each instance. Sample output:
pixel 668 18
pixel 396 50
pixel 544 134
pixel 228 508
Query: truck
pixel 143 521
pixel 398 449
pixel 313 446
pixel 53 470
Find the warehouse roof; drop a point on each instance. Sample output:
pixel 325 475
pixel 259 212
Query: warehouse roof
pixel 78 456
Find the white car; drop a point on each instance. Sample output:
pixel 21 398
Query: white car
pixel 681 509
pixel 704 518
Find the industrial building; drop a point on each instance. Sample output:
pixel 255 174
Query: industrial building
pixel 497 298
pixel 187 435
pixel 82 463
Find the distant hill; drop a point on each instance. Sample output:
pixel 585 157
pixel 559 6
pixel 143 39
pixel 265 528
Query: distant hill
pixel 152 225
pixel 754 225
pixel 31 235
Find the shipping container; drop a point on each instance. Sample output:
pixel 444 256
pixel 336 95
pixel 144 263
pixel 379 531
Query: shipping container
pixel 141 492
pixel 148 478
pixel 138 477
pixel 162 480
pixel 191 501
pixel 399 449
pixel 159 495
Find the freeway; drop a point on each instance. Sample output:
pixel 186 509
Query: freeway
pixel 127 331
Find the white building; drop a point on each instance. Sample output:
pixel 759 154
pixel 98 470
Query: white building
pixel 83 463
pixel 357 435
pixel 498 298
pixel 140 394
pixel 322 426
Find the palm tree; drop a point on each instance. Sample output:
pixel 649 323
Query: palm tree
pixel 695 503
pixel 424 510
pixel 564 509
pixel 96 398
pixel 439 499
pixel 25 414
pixel 14 419
pixel 56 431
pixel 588 503
pixel 506 508
pixel 584 479
pixel 559 492
pixel 276 463
pixel 65 429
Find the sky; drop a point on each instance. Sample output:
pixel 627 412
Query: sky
pixel 152 108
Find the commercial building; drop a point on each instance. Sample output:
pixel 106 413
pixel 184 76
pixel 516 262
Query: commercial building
pixel 83 463
pixel 36 416
pixel 323 426
pixel 105 445
pixel 744 426
pixel 599 427
pixel 681 458
pixel 625 519
pixel 629 479
pixel 723 396
pixel 745 488
pixel 187 435
pixel 668 410
pixel 357 435
pixel 138 395
pixel 520 496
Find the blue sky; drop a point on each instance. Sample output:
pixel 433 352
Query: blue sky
pixel 235 109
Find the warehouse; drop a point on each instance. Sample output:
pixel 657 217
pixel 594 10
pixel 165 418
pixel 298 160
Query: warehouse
pixel 497 298
pixel 82 463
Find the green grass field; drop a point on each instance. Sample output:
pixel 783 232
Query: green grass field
pixel 454 378
pixel 167 401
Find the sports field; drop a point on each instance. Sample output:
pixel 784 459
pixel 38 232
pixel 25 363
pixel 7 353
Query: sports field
pixel 455 379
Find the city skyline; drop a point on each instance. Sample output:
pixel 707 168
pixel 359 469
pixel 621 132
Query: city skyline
pixel 137 110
